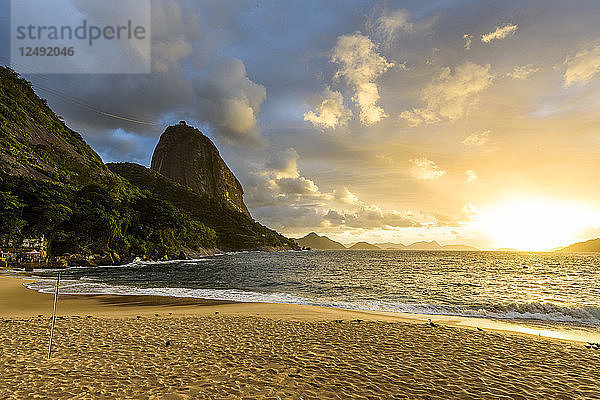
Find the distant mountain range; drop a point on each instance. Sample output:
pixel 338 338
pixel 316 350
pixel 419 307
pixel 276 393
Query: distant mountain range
pixel 433 245
pixel 363 246
pixel 317 242
pixel 321 242
pixel 588 246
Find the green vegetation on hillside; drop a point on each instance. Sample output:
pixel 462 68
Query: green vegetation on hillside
pixel 94 220
pixel 34 142
pixel 235 230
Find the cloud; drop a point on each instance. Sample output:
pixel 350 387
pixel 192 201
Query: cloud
pixel 445 220
pixel 450 95
pixel 170 21
pixel 422 168
pixel 501 32
pixel 288 217
pixel 282 198
pixel 470 176
pixel 266 190
pixel 167 54
pixel 173 32
pixel 523 72
pixel 468 40
pixel 420 116
pixel 145 97
pixel 389 25
pixel 583 66
pixel 118 144
pixel 385 159
pixel 207 88
pixel 278 182
pixel 296 186
pixel 284 164
pixel 334 218
pixel 477 139
pixel 360 66
pixel 331 113
pixel 230 101
pixel 343 195
pixel 470 210
pixel 370 217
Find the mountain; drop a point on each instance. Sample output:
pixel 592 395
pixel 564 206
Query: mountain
pixel 186 156
pixel 35 143
pixel 433 245
pixel 235 230
pixel 588 246
pixel 317 242
pixel 459 247
pixel 363 246
pixel 53 184
pixel 391 246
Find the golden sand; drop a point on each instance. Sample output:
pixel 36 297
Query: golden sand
pixel 121 351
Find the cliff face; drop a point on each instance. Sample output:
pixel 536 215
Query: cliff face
pixel 186 156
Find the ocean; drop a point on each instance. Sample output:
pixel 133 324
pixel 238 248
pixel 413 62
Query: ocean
pixel 540 288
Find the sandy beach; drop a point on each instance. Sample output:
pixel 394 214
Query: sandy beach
pixel 110 347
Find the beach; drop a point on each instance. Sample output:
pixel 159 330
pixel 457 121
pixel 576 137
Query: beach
pixel 109 347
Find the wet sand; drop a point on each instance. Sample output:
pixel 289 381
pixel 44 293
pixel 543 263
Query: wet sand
pixel 111 347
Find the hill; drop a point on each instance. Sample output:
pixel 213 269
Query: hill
pixel 459 247
pixel 235 230
pixel 429 246
pixel 363 246
pixel 35 143
pixel 391 246
pixel 588 246
pixel 511 249
pixel 317 242
pixel 433 245
pixel 53 184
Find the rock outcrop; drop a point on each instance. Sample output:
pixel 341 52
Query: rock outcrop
pixel 186 156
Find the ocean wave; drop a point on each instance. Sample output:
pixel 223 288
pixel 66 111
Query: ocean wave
pixel 68 287
pixel 546 312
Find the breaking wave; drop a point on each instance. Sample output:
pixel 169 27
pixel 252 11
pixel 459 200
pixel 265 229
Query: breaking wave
pixel 547 312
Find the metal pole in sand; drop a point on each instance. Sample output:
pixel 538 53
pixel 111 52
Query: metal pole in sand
pixel 53 315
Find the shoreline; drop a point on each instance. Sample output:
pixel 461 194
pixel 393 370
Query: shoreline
pixel 109 347
pixel 161 348
pixel 16 300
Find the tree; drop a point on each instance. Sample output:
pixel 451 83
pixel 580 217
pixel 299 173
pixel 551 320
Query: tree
pixel 11 221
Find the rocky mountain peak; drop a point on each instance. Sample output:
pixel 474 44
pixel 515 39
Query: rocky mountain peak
pixel 186 156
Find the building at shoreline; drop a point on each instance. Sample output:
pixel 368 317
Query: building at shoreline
pixel 30 250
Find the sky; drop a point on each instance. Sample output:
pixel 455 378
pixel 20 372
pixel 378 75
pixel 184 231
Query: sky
pixel 473 122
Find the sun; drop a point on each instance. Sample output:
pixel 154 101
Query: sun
pixel 528 223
